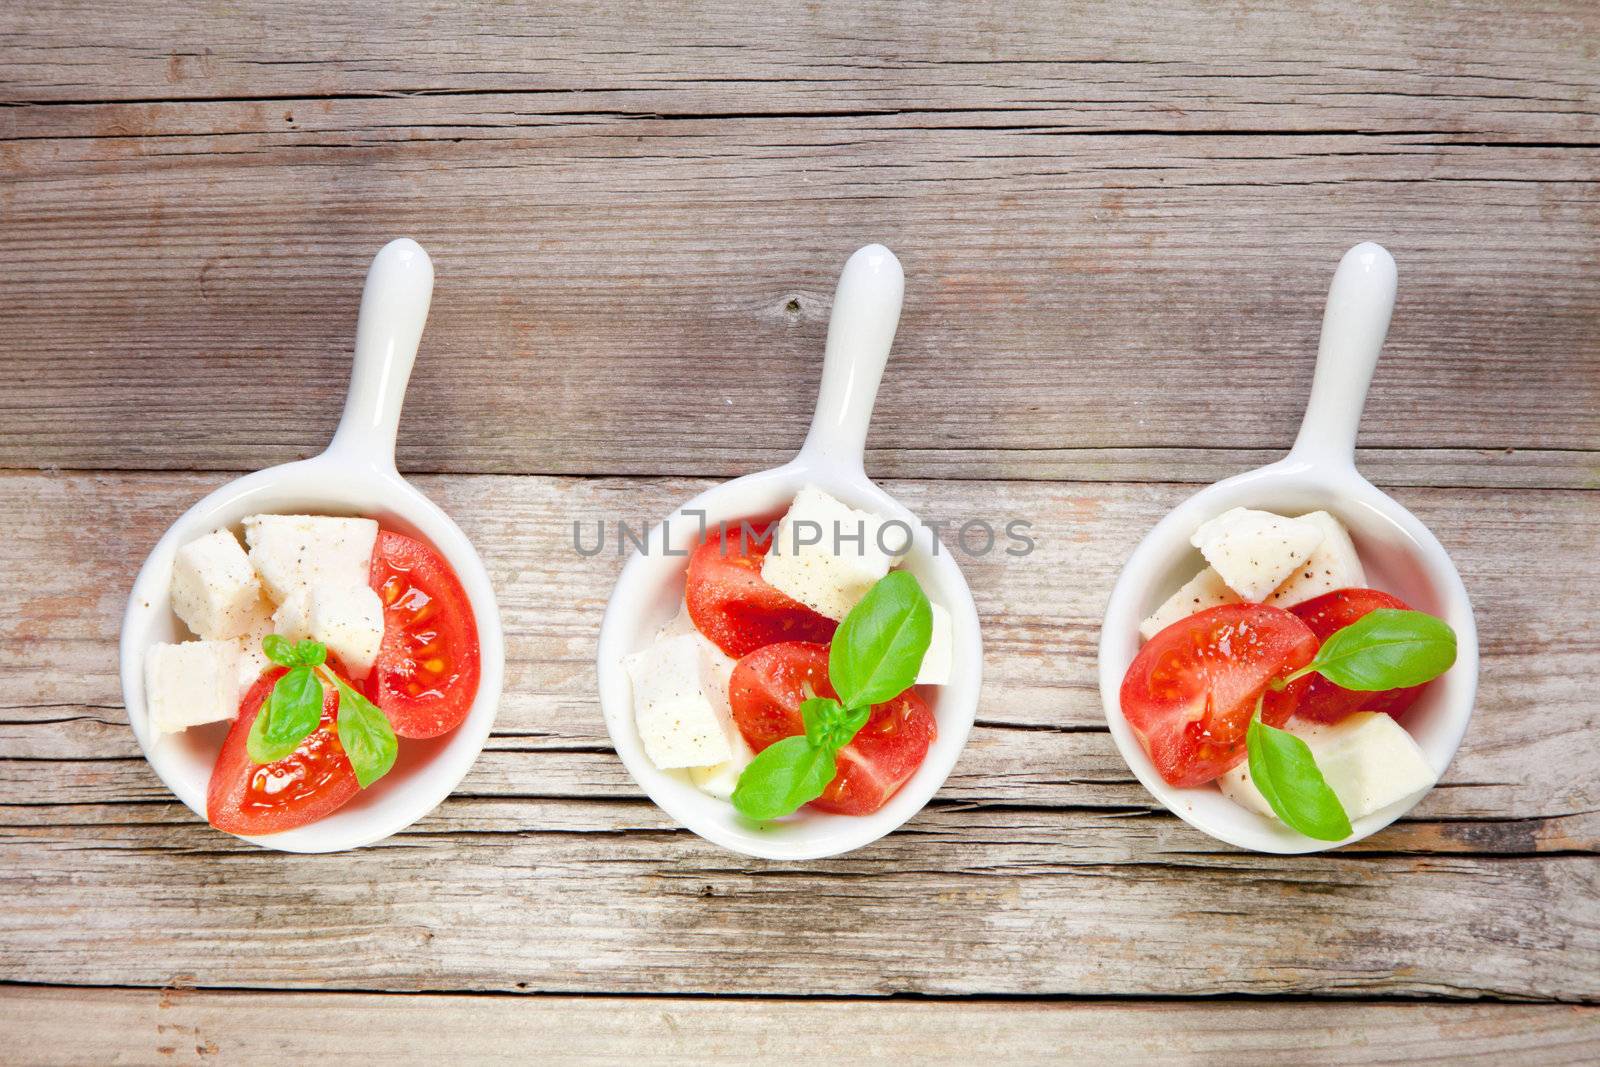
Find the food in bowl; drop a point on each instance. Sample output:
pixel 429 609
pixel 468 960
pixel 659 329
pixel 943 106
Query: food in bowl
pixel 1278 676
pixel 324 641
pixel 790 675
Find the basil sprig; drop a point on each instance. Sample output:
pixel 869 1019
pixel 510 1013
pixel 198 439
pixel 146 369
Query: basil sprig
pixel 1282 767
pixel 1384 649
pixel 875 656
pixel 364 733
pixel 293 710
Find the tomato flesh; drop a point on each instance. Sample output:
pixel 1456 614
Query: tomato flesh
pixel 1191 691
pixel 732 605
pixel 1331 612
pixel 766 691
pixel 311 782
pixel 426 674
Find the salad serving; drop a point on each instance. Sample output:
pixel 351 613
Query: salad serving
pixel 790 676
pixel 323 641
pixel 1278 676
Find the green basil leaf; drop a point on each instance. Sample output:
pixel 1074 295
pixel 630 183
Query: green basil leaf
pixel 879 646
pixel 854 720
pixel 822 716
pixel 1282 767
pixel 365 734
pixel 1387 649
pixel 829 725
pixel 310 653
pixel 785 775
pixel 279 650
pixel 291 711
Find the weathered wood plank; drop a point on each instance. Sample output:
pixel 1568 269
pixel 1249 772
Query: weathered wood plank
pixel 1039 908
pixel 1476 69
pixel 650 296
pixel 71 1026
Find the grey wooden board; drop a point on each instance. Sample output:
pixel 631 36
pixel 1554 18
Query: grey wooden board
pixel 72 1026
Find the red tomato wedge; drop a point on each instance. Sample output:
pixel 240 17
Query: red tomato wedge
pixel 426 674
pixel 766 691
pixel 732 606
pixel 1326 614
pixel 312 781
pixel 1190 692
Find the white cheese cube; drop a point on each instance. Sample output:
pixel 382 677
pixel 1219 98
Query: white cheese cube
pixel 346 618
pixel 827 554
pixel 936 662
pixel 292 620
pixel 252 660
pixel 680 702
pixel 1255 551
pixel 720 779
pixel 1367 759
pixel 191 683
pixel 1204 590
pixel 1239 787
pixel 214 588
pixel 309 550
pixel 1334 565
pixel 680 623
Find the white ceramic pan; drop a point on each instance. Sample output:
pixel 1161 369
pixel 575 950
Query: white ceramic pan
pixel 866 312
pixel 355 476
pixel 1399 554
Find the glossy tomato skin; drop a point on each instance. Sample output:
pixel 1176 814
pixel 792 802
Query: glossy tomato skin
pixel 426 674
pixel 311 782
pixel 1191 691
pixel 732 605
pixel 766 691
pixel 1331 612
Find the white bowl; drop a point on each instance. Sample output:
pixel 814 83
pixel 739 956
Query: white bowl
pixel 1400 556
pixel 355 476
pixel 649 592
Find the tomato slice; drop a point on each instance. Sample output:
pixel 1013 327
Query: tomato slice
pixel 766 691
pixel 312 781
pixel 731 604
pixel 1190 692
pixel 1324 701
pixel 426 673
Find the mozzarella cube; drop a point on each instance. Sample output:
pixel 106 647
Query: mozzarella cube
pixel 292 620
pixel 346 618
pixel 720 779
pixel 1239 787
pixel 936 662
pixel 826 554
pixel 190 684
pixel 252 660
pixel 309 550
pixel 1367 759
pixel 1204 590
pixel 1334 565
pixel 1255 551
pixel 214 588
pixel 680 623
pixel 680 703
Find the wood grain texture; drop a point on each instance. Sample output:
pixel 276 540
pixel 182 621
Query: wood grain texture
pixel 109 1026
pixel 1041 869
pixel 1473 68
pixel 649 296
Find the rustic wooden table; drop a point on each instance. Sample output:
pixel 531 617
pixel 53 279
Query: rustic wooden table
pixel 1118 222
